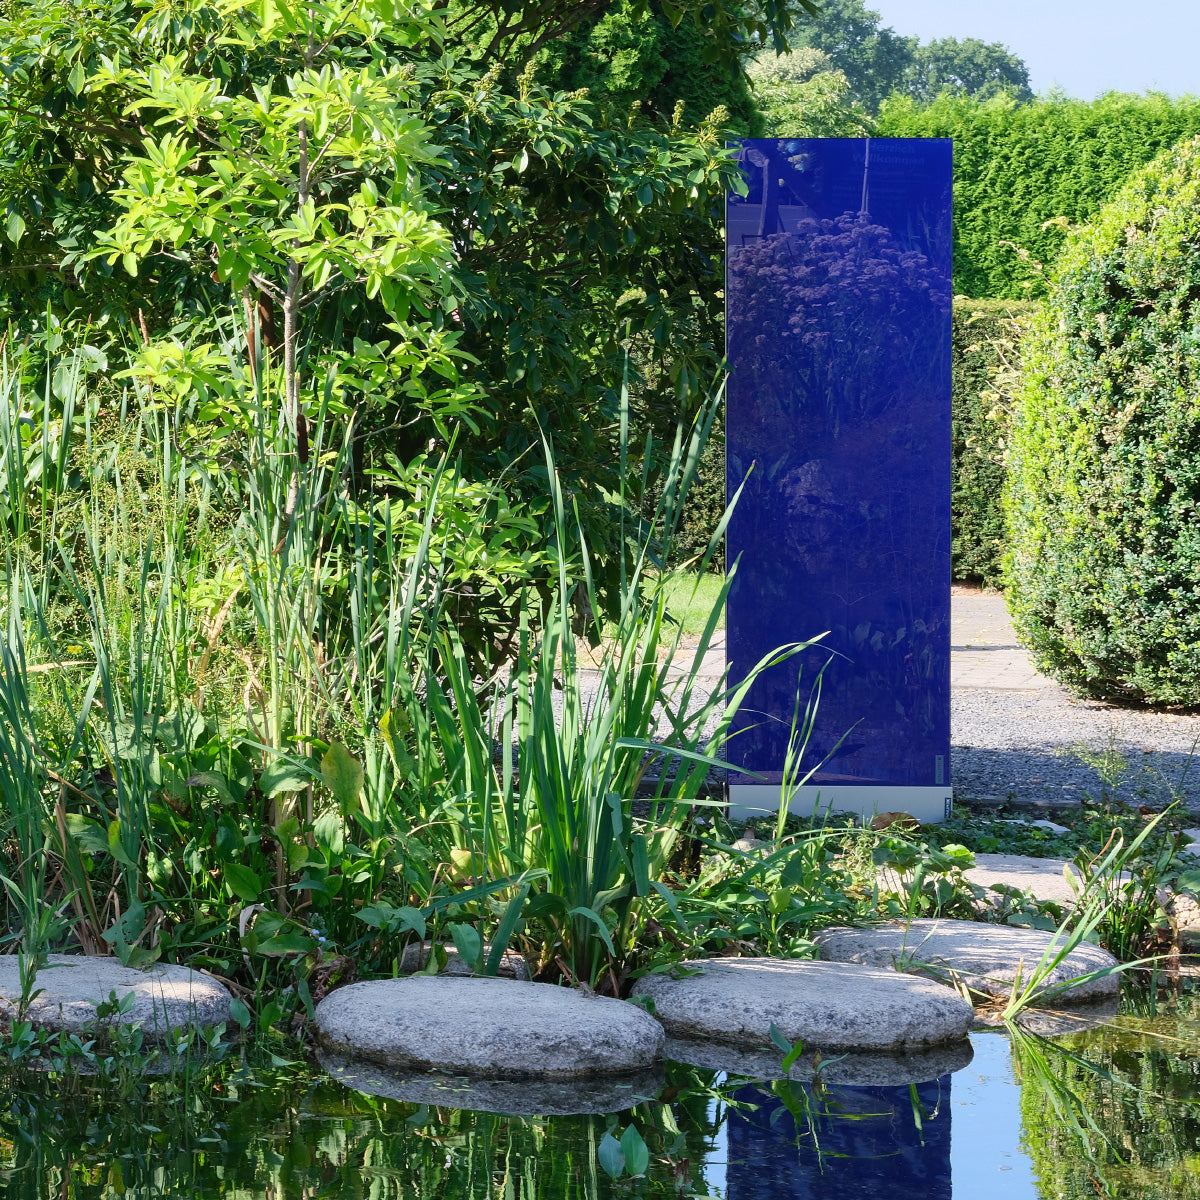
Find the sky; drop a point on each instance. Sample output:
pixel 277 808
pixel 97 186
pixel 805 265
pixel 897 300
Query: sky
pixel 1083 46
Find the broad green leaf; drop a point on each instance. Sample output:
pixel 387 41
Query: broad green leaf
pixel 243 882
pixel 329 832
pixel 282 776
pixel 611 1156
pixel 16 226
pixel 292 942
pixel 210 779
pixel 779 1039
pixel 91 837
pixel 468 943
pixel 343 775
pixel 637 1155
pixel 115 847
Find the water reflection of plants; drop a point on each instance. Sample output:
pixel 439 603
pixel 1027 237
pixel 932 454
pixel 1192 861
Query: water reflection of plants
pixel 290 1131
pixel 1115 1111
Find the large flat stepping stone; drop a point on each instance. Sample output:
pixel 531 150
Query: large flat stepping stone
pixel 165 997
pixel 513 1097
pixel 827 1006
pixel 1043 878
pixel 487 1028
pixel 986 958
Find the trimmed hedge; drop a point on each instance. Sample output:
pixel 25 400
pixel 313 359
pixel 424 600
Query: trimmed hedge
pixel 984 360
pixel 1103 496
pixel 1018 166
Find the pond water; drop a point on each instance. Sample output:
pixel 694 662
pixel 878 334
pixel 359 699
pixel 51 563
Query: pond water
pixel 1114 1111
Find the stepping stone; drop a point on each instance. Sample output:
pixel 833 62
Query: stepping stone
pixel 850 1068
pixel 165 997
pixel 986 958
pixel 827 1006
pixel 1042 877
pixel 513 1097
pixel 487 1028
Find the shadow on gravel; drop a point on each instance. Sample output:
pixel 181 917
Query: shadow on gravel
pixel 1054 780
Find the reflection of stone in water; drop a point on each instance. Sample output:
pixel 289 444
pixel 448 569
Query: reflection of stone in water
pixel 870 1146
pixel 857 1068
pixel 525 1097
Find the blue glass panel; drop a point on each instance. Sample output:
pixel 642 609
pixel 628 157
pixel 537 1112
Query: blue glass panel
pixel 852 1143
pixel 838 419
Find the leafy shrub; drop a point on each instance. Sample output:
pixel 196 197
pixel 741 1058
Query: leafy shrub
pixel 1020 167
pixel 984 364
pixel 1103 495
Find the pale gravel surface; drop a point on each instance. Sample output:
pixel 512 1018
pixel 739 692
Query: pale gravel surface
pixel 1022 746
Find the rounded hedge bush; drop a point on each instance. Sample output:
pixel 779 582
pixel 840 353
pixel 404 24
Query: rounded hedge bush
pixel 1103 492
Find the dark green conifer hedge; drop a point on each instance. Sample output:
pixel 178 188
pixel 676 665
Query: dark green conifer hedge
pixel 1103 496
pixel 1019 166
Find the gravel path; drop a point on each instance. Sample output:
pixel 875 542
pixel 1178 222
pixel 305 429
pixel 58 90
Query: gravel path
pixel 1046 748
pixel 1017 736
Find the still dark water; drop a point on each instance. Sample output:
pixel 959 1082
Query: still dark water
pixel 1114 1111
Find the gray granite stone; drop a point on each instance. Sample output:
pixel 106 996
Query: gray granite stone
pixel 491 1029
pixel 165 997
pixel 1043 878
pixel 827 1006
pixel 986 958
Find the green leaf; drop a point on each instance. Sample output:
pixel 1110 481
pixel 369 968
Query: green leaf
pixel 77 78
pixel 637 1155
pixel 115 847
pixel 779 1039
pixel 91 837
pixel 16 226
pixel 243 882
pixel 292 942
pixel 468 943
pixel 504 932
pixel 329 832
pixel 210 779
pixel 240 1013
pixel 545 904
pixel 283 776
pixel 343 775
pixel 1189 881
pixel 598 921
pixel 130 263
pixel 611 1156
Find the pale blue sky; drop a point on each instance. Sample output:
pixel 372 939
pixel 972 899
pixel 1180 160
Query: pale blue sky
pixel 1084 46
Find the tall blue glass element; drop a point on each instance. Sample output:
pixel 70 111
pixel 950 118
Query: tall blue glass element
pixel 838 430
pixel 863 1143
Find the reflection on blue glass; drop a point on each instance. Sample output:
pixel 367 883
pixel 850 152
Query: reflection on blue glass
pixel 838 418
pixel 868 1147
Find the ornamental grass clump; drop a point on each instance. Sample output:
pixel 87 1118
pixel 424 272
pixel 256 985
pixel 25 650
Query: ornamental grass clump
pixel 1103 494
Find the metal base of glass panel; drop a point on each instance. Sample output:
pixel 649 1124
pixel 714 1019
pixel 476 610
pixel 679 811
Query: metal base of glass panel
pixel 928 804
